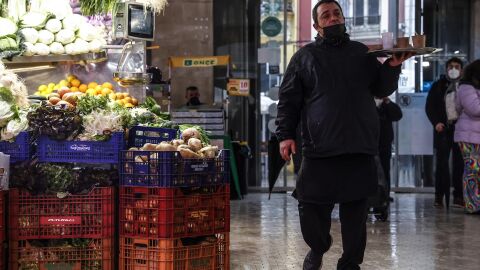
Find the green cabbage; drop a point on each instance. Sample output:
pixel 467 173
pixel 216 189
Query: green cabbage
pixel 8 29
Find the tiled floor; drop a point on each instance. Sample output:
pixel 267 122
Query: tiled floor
pixel 265 234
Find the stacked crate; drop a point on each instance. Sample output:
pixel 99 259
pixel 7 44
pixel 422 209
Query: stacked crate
pixel 65 231
pixel 2 228
pixel 19 150
pixel 174 212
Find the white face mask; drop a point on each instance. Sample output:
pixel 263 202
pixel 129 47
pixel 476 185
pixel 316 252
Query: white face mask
pixel 454 73
pixel 378 102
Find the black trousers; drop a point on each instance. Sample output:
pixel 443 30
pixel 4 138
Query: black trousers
pixel 315 222
pixel 385 154
pixel 444 144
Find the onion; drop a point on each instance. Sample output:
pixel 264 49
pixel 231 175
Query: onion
pixel 190 133
pixel 195 144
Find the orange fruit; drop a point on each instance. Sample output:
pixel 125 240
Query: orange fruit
pixel 74 89
pixel 92 85
pixel 83 88
pixel 129 105
pixel 134 101
pixel 75 82
pixel 127 100
pixel 112 96
pixel 121 102
pixel 107 85
pixel 119 95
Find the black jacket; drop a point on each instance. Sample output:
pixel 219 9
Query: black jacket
pixel 387 113
pixel 329 90
pixel 435 104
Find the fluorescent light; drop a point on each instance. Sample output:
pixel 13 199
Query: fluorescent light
pixel 425 64
pixel 456 52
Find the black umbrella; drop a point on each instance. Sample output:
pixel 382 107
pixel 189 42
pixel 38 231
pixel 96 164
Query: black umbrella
pixel 275 163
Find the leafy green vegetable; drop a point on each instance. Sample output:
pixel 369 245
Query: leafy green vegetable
pixel 8 28
pixel 57 123
pixel 88 104
pixel 153 107
pixel 54 178
pixel 6 95
pixel 94 7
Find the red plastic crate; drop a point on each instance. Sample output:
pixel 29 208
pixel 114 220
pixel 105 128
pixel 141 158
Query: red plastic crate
pixel 49 217
pixel 98 255
pixel 2 227
pixel 210 253
pixel 174 212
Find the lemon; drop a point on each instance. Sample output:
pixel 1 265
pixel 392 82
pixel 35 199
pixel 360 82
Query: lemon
pixel 42 87
pixel 64 83
pixel 107 85
pixel 90 92
pixel 51 85
pixel 71 78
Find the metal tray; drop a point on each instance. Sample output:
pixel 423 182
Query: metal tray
pixel 94 57
pixel 417 51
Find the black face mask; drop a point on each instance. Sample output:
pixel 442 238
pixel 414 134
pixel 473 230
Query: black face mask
pixel 335 32
pixel 194 101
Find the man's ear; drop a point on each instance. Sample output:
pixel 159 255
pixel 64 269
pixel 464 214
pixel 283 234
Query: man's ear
pixel 316 26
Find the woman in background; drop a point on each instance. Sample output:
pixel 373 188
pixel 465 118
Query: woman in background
pixel 467 134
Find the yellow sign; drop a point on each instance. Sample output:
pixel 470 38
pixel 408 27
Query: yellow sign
pixel 238 87
pixel 204 61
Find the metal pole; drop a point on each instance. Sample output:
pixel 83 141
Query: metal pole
pixel 285 23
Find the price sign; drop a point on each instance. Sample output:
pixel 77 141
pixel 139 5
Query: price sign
pixel 238 87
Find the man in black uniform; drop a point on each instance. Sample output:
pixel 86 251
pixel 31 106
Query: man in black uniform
pixel 328 89
pixel 388 112
pixel 443 135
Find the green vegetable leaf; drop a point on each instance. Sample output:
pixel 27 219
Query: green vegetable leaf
pixel 88 104
pixel 6 95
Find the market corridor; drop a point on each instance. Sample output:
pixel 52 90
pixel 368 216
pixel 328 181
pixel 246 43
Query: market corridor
pixel 266 235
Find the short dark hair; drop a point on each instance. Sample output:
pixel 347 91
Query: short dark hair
pixel 471 74
pixel 454 60
pixel 191 88
pixel 321 2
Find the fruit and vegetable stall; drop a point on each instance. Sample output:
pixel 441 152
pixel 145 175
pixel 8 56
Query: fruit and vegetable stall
pixel 95 174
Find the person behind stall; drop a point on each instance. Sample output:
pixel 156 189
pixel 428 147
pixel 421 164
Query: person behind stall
pixel 329 88
pixel 388 112
pixel 435 108
pixel 192 95
pixel 467 134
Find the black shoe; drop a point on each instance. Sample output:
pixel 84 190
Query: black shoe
pixel 438 201
pixel 312 261
pixel 458 203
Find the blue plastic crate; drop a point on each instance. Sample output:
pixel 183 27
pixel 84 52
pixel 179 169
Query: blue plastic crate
pixel 138 136
pixel 169 169
pixel 19 150
pixel 81 151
